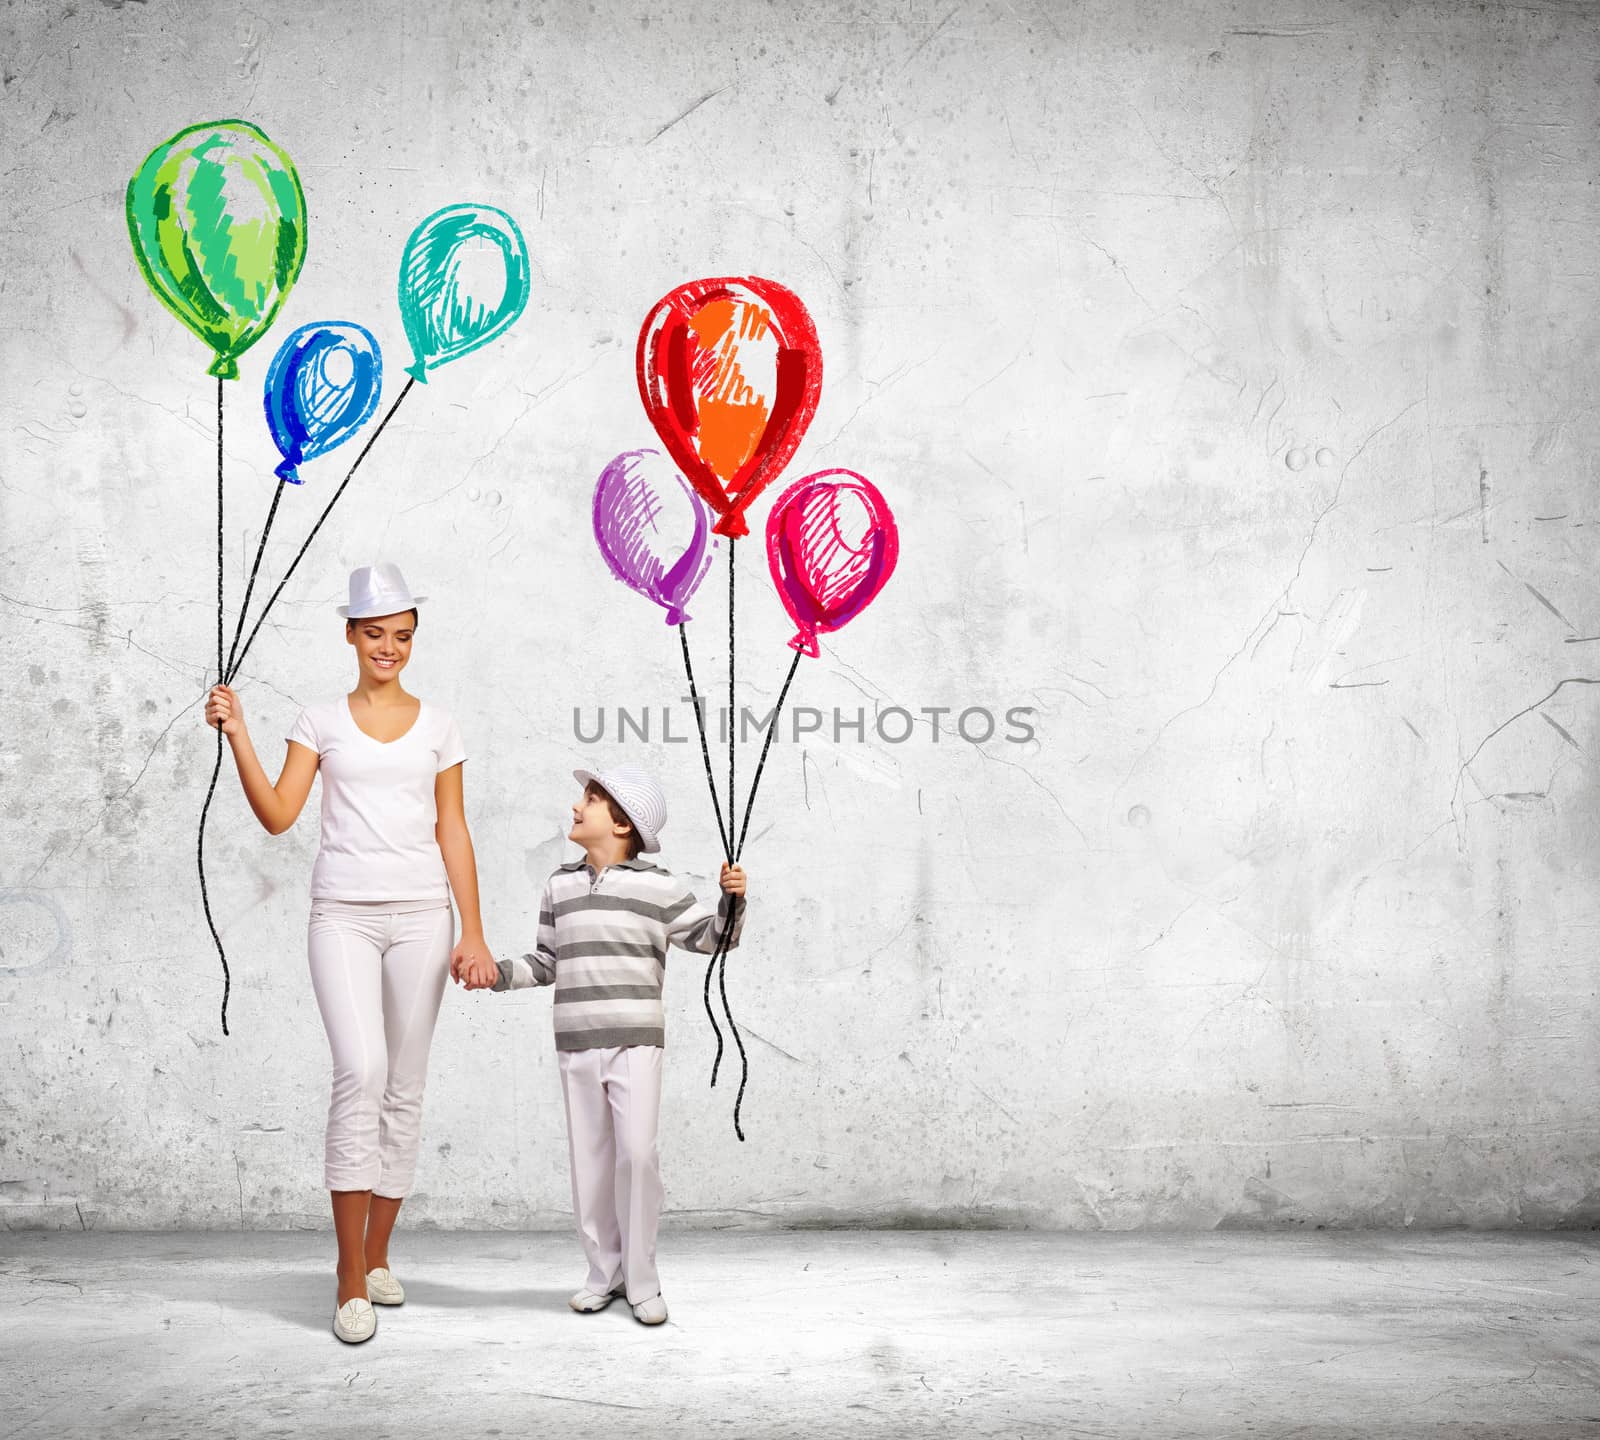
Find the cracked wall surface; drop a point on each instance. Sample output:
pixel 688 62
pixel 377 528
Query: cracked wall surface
pixel 1232 379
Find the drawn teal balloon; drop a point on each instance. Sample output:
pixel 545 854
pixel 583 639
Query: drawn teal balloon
pixel 218 223
pixel 443 320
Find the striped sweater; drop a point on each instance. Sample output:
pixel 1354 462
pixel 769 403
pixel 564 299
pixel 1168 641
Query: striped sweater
pixel 603 945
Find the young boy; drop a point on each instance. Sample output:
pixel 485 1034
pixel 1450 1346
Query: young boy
pixel 605 923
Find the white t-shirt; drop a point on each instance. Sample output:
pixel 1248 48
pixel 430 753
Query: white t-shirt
pixel 378 814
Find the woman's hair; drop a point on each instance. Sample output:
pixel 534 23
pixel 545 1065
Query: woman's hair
pixel 351 622
pixel 619 816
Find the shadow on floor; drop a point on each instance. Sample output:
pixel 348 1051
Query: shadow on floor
pixel 464 1297
pixel 302 1298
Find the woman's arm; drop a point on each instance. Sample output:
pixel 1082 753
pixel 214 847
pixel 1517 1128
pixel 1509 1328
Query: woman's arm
pixel 471 959
pixel 278 806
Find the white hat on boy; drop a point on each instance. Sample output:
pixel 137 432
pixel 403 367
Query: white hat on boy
pixel 378 590
pixel 640 797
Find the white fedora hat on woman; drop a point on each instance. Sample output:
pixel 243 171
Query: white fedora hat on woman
pixel 641 799
pixel 378 590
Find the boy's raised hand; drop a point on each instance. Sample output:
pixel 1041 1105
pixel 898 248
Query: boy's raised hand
pixel 733 878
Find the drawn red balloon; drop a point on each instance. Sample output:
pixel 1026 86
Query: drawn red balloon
pixel 730 372
pixel 832 543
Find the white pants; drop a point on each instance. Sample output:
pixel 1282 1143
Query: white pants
pixel 613 1099
pixel 379 969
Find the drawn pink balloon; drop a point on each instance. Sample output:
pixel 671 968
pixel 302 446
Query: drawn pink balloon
pixel 832 543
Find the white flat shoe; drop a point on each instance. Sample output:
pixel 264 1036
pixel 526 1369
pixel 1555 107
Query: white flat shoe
pixel 383 1288
pixel 354 1321
pixel 651 1312
pixel 587 1301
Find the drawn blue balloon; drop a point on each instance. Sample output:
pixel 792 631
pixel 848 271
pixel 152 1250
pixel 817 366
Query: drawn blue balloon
pixel 322 386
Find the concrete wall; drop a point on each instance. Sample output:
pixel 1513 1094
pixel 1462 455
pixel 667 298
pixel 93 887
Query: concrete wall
pixel 1232 378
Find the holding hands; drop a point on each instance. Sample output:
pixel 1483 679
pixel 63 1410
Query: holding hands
pixel 472 964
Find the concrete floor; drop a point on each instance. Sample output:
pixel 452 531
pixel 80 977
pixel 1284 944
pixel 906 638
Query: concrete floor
pixel 814 1334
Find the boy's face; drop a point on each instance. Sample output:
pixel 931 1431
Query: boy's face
pixel 591 820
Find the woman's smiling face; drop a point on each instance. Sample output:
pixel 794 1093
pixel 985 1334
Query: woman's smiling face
pixel 382 643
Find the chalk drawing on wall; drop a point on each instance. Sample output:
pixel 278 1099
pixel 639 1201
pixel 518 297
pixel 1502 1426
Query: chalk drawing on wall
pixel 217 219
pixel 653 530
pixel 444 315
pixel 730 373
pixel 448 306
pixel 20 948
pixel 655 535
pixel 832 544
pixel 322 386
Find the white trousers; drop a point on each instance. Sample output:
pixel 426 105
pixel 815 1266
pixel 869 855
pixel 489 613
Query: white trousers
pixel 379 970
pixel 613 1099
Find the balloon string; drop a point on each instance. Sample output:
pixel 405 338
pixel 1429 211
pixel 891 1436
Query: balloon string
pixel 719 958
pixel 750 799
pixel 216 769
pixel 327 510
pixel 716 803
pixel 250 585
pixel 722 974
pixel 721 954
pixel 219 532
pixel 711 1015
pixel 733 722
pixel 205 898
pixel 705 750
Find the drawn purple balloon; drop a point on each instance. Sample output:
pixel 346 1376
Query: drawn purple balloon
pixel 653 530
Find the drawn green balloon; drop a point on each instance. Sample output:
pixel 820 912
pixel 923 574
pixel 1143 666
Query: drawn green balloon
pixel 443 320
pixel 218 223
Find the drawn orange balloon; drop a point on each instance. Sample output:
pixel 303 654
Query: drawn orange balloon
pixel 730 372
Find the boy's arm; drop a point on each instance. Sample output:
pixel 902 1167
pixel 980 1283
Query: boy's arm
pixel 692 925
pixel 539 966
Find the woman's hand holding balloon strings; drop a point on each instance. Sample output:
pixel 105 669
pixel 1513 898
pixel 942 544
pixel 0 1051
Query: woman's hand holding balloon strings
pixel 224 710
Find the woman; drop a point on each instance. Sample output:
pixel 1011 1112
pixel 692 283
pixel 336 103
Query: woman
pixel 395 847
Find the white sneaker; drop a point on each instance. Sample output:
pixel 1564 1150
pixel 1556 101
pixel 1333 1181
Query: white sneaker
pixel 587 1301
pixel 651 1312
pixel 383 1288
pixel 354 1321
